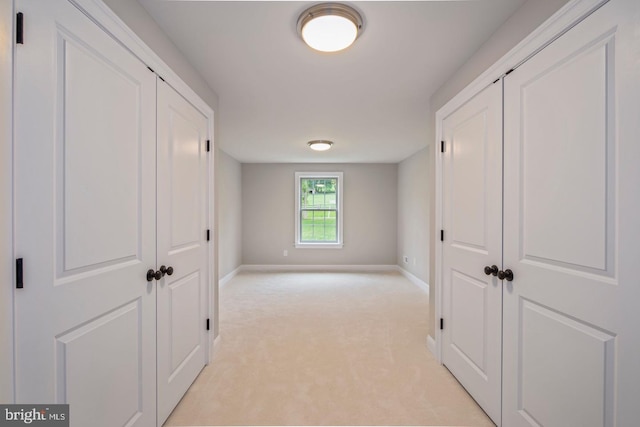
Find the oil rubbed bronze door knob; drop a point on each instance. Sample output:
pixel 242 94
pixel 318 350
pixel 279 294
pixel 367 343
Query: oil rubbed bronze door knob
pixel 505 275
pixel 493 270
pixel 153 275
pixel 166 270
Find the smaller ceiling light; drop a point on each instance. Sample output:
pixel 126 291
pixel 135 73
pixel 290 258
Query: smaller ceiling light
pixel 320 145
pixel 329 27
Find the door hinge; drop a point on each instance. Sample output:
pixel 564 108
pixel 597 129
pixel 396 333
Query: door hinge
pixel 441 323
pixel 442 146
pixel 208 145
pixel 207 324
pixel 154 72
pixel 19 274
pixel 208 235
pixel 509 72
pixel 442 235
pixel 20 28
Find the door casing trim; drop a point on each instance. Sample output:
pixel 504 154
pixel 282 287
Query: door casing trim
pixel 567 17
pixel 98 12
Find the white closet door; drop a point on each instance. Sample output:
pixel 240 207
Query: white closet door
pixel 182 245
pixel 85 220
pixel 472 221
pixel 572 233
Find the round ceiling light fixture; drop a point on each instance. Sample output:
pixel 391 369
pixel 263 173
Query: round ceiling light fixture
pixel 320 145
pixel 330 27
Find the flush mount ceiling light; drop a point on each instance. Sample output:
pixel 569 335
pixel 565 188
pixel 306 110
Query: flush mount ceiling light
pixel 320 145
pixel 329 27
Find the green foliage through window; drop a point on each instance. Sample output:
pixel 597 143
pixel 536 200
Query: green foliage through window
pixel 318 210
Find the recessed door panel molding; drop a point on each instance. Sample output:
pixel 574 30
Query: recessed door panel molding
pixel 472 223
pixel 571 230
pixel 569 169
pixel 469 318
pixel 84 218
pixel 186 146
pixel 186 316
pixel 581 369
pixel 117 373
pixel 182 245
pixel 98 183
pixel 468 144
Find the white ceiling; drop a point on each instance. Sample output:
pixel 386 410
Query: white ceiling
pixel 372 100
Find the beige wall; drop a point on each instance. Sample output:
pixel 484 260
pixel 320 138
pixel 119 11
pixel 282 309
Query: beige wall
pixel 229 187
pixel 370 215
pixel 6 218
pixel 413 214
pixel 524 20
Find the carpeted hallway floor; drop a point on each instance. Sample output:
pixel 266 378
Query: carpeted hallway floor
pixel 324 349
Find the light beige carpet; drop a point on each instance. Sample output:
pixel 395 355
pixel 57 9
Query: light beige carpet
pixel 324 349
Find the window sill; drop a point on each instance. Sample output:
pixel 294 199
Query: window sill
pixel 318 245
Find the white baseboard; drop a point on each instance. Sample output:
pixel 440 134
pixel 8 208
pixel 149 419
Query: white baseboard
pixel 431 345
pixel 225 279
pixel 283 267
pixel 415 280
pixel 216 346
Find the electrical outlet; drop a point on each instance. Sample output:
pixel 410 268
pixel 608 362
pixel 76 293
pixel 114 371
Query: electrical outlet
pixel 285 253
pixel 405 259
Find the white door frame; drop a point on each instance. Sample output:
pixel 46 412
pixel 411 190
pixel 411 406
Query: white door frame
pixel 6 202
pixel 212 225
pixel 98 12
pixel 559 23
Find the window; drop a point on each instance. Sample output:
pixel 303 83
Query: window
pixel 318 210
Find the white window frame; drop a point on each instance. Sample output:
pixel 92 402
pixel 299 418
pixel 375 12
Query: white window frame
pixel 339 209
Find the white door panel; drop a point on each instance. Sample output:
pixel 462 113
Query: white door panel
pixel 84 382
pixel 182 245
pixel 85 220
pixel 545 379
pixel 578 160
pixel 571 231
pixel 469 312
pixel 472 222
pixel 98 206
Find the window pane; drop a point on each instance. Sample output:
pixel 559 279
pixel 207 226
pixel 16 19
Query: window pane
pixel 318 226
pixel 318 193
pixel 318 209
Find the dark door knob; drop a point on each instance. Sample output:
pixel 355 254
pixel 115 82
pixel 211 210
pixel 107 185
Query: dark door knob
pixel 166 270
pixel 153 275
pixel 505 275
pixel 491 270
